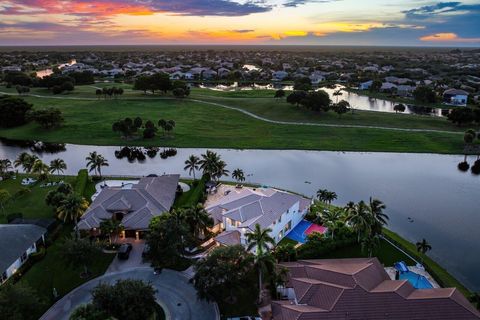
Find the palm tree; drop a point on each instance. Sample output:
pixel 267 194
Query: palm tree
pixel 379 219
pixel 260 239
pixel 5 165
pixel 41 169
pixel 57 165
pixel 359 218
pixel 238 175
pixel 192 164
pixel 265 263
pixel 111 227
pixel 337 93
pixel 25 160
pixel 198 220
pixel 72 208
pixel 101 162
pixel 423 247
pixel 331 218
pixel 95 162
pixel 326 196
pixel 212 165
pixel 370 243
pixel 5 197
pixel 91 161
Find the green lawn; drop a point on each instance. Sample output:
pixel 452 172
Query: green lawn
pixel 386 253
pixel 51 272
pixel 31 205
pixel 203 125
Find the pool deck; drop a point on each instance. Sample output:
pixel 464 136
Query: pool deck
pixel 419 270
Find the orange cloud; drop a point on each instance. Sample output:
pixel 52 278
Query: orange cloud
pixel 447 37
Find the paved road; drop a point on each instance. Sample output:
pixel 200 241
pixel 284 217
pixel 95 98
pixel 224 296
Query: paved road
pixel 250 114
pixel 174 293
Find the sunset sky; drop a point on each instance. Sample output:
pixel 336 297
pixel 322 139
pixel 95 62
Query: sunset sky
pixel 310 22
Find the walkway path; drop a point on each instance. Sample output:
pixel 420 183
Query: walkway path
pixel 250 114
pixel 175 294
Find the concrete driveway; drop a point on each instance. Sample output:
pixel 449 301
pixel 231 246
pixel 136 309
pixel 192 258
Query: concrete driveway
pixel 175 294
pixel 134 261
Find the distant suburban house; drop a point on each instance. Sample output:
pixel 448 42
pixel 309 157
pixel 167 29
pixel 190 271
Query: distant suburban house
pixel 132 204
pixel 357 289
pixel 317 77
pixel 455 97
pixel 17 243
pixel 237 213
pixel 177 75
pixel 404 90
pixel 365 85
pixel 279 75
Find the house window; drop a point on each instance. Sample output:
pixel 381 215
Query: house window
pixel 23 257
pixel 280 219
pixel 288 226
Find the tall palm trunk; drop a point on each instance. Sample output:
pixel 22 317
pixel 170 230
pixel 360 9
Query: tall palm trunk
pixel 259 283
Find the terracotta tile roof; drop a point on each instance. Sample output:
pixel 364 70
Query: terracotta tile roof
pixel 352 289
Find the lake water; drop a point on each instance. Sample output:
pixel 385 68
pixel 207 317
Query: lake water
pixel 356 101
pixel 443 202
pixel 47 72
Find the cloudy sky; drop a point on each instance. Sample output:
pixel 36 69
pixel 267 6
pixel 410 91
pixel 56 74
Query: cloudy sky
pixel 311 22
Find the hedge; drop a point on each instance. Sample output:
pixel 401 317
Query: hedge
pixel 193 196
pixel 440 275
pixel 81 182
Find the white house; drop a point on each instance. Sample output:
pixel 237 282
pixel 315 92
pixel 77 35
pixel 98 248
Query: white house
pixel 241 209
pixel 455 97
pixel 17 243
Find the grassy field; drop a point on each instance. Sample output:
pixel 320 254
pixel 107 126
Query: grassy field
pixel 209 126
pixel 32 204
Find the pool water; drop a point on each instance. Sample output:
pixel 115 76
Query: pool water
pixel 298 233
pixel 418 281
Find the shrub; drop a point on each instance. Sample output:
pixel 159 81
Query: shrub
pixel 13 216
pixel 81 182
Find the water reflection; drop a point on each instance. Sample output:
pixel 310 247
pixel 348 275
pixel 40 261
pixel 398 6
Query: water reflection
pixel 357 101
pixel 442 201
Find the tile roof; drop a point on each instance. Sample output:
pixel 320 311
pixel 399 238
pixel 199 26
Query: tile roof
pixel 347 289
pixel 228 238
pixel 260 206
pixel 150 197
pixel 15 239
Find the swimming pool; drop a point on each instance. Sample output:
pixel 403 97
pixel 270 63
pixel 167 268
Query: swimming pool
pixel 418 281
pixel 304 228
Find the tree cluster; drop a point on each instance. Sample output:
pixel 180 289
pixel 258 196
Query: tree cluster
pixel 424 94
pixel 47 118
pixel 57 83
pixel 313 100
pixel 110 92
pixel 14 111
pixel 126 299
pixel 128 127
pixel 464 116
pixel 154 82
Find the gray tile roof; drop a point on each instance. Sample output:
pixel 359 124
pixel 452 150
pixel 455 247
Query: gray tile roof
pixel 15 239
pixel 151 197
pixel 228 238
pixel 262 207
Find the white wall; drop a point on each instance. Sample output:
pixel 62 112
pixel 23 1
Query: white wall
pixel 18 263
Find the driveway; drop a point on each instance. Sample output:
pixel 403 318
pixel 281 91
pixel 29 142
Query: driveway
pixel 134 261
pixel 175 294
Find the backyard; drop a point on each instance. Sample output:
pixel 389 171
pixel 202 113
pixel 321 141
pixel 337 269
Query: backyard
pixel 50 273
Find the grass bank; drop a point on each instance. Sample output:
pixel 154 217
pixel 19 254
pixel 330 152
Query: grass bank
pixel 441 275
